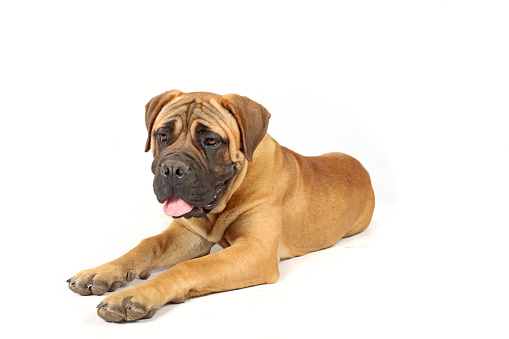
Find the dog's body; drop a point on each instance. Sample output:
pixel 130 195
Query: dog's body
pixel 260 206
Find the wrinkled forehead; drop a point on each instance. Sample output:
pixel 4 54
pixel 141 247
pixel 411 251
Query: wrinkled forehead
pixel 188 113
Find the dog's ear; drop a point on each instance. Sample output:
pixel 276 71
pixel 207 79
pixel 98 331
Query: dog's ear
pixel 253 120
pixel 152 109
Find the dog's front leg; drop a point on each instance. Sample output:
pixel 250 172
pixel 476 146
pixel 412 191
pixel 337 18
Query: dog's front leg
pixel 247 262
pixel 173 245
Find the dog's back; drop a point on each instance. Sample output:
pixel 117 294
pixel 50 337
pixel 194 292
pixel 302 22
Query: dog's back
pixel 324 199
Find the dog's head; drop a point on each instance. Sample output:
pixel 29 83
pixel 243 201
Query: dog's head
pixel 199 141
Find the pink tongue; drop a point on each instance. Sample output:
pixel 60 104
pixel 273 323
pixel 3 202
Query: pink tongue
pixel 175 207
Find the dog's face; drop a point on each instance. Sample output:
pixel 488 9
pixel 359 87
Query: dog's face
pixel 199 141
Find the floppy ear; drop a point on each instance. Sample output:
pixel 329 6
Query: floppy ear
pixel 253 120
pixel 152 109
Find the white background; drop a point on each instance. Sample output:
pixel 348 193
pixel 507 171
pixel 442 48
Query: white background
pixel 416 90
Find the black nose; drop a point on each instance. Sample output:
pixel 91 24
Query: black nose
pixel 175 169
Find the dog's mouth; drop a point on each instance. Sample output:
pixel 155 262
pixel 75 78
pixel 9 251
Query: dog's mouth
pixel 176 207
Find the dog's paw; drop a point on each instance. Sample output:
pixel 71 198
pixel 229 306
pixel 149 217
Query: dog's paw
pixel 102 279
pixel 128 305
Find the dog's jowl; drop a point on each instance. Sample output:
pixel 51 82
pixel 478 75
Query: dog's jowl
pixel 225 181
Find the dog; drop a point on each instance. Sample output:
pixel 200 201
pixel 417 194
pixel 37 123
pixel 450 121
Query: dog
pixel 225 181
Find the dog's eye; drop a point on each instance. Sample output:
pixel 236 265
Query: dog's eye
pixel 162 137
pixel 211 142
